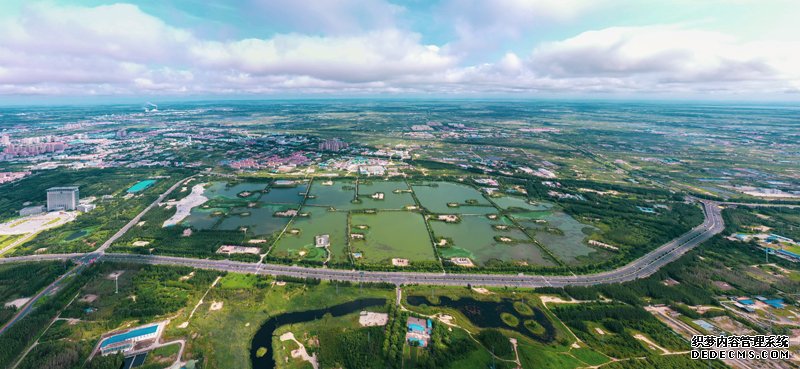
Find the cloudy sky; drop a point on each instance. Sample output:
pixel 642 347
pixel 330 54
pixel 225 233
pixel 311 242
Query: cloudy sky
pixel 719 49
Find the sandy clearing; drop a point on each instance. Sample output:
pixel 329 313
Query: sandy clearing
pixel 18 303
pixel 300 352
pixel 185 205
pixel 370 319
pixel 650 343
pixel 557 300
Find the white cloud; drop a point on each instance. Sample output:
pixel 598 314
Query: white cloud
pixel 119 31
pixel 483 25
pixel 668 55
pixel 119 49
pixel 373 56
pixel 121 46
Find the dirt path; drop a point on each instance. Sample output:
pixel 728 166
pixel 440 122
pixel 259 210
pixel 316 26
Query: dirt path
pixel 648 341
pixel 203 298
pixel 300 352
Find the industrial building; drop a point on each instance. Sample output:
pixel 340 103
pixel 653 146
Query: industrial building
pixel 31 210
pixel 126 341
pixel 62 198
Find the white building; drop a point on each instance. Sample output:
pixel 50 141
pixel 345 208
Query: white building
pixel 31 210
pixel 62 198
pixel 323 240
pixel 372 170
pixel 85 208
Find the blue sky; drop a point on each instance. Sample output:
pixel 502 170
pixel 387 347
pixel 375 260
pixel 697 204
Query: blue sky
pixel 711 49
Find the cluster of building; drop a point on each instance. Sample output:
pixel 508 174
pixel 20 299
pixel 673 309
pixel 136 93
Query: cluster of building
pixel 773 244
pixel 60 199
pixel 750 305
pixel 15 150
pixel 333 145
pixel 541 172
pixel 6 177
pixel 279 163
pixel 418 331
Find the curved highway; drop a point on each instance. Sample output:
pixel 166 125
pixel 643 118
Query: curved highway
pixel 639 268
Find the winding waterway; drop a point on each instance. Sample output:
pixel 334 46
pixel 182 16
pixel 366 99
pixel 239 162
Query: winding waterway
pixel 263 337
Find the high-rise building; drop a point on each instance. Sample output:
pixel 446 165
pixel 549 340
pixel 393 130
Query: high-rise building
pixel 333 145
pixel 5 140
pixel 62 198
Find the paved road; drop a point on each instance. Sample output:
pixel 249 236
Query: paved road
pixel 28 307
pixel 640 268
pixel 139 216
pixel 82 259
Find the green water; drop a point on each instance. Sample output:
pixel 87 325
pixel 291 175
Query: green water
pixel 223 189
pixel 436 198
pixel 259 220
pixel 568 247
pixel 392 234
pixel 340 195
pixel 284 195
pixel 321 221
pixel 474 236
pixel 391 200
pixel 473 210
pixel 201 218
pixel 507 202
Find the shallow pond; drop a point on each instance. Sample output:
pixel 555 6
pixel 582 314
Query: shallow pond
pixel 391 200
pixel 77 234
pixel 259 220
pixel 510 202
pixel 486 314
pixel 474 237
pixel 320 221
pixel 339 195
pixel 232 191
pixel 568 244
pixel 285 195
pixel 435 196
pixel 392 234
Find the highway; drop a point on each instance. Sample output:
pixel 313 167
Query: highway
pixel 639 268
pixel 82 259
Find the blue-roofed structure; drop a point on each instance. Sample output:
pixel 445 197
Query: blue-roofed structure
pixel 776 303
pixel 788 255
pixel 419 331
pixel 125 341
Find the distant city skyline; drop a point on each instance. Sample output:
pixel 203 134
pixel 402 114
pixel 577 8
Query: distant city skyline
pixel 100 51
